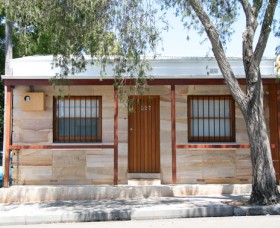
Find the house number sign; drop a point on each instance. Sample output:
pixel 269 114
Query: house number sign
pixel 146 107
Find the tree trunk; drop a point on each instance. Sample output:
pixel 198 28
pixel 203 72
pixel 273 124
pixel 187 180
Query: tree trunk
pixel 264 186
pixel 8 47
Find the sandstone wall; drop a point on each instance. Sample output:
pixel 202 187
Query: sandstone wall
pixel 95 166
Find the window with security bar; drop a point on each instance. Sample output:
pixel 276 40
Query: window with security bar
pixel 211 119
pixel 77 119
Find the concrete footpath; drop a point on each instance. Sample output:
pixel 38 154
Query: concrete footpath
pixel 130 209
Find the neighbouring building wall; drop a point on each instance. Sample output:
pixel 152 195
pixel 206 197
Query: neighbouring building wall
pixel 95 166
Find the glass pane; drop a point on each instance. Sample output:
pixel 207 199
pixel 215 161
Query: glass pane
pixel 211 108
pixel 194 109
pixel 205 127
pixel 78 108
pixel 227 108
pixel 197 128
pixel 88 112
pixel 216 108
pixel 78 128
pixel 210 127
pixel 60 108
pixel 223 130
pixel 205 108
pixel 222 108
pixel 227 127
pixel 200 108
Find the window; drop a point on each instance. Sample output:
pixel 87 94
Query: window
pixel 211 119
pixel 77 119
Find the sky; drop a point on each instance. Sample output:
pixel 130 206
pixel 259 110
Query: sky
pixel 175 41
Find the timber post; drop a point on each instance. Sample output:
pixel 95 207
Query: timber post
pixel 7 135
pixel 173 133
pixel 116 136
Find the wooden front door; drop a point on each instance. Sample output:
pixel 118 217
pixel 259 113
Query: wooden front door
pixel 143 136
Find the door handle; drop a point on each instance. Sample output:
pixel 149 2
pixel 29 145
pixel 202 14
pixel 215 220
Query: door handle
pixel 130 129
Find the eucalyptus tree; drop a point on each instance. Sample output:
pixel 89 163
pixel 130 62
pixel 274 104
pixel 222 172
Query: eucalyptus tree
pixel 216 19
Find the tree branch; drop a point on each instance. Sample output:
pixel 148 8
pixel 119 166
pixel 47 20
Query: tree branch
pixel 246 8
pixel 257 5
pixel 219 54
pixel 265 30
pixel 250 65
pixel 249 33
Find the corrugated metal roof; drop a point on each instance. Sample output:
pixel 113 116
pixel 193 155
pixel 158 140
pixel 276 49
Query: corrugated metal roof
pixel 39 66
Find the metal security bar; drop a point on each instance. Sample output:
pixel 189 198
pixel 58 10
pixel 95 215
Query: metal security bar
pixel 77 119
pixel 211 119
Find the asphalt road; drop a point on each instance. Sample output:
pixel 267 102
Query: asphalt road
pixel 271 221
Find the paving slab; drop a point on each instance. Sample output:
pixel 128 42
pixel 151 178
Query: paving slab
pixel 117 209
pixel 129 209
pixel 183 212
pixel 257 210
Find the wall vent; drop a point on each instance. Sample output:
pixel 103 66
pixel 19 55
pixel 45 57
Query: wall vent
pixel 213 71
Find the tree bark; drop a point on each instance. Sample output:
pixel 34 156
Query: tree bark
pixel 8 47
pixel 264 186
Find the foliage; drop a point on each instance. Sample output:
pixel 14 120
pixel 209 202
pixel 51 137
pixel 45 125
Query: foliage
pixel 38 43
pixel 116 32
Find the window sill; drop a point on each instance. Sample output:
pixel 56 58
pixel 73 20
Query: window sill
pixel 219 145
pixel 64 146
